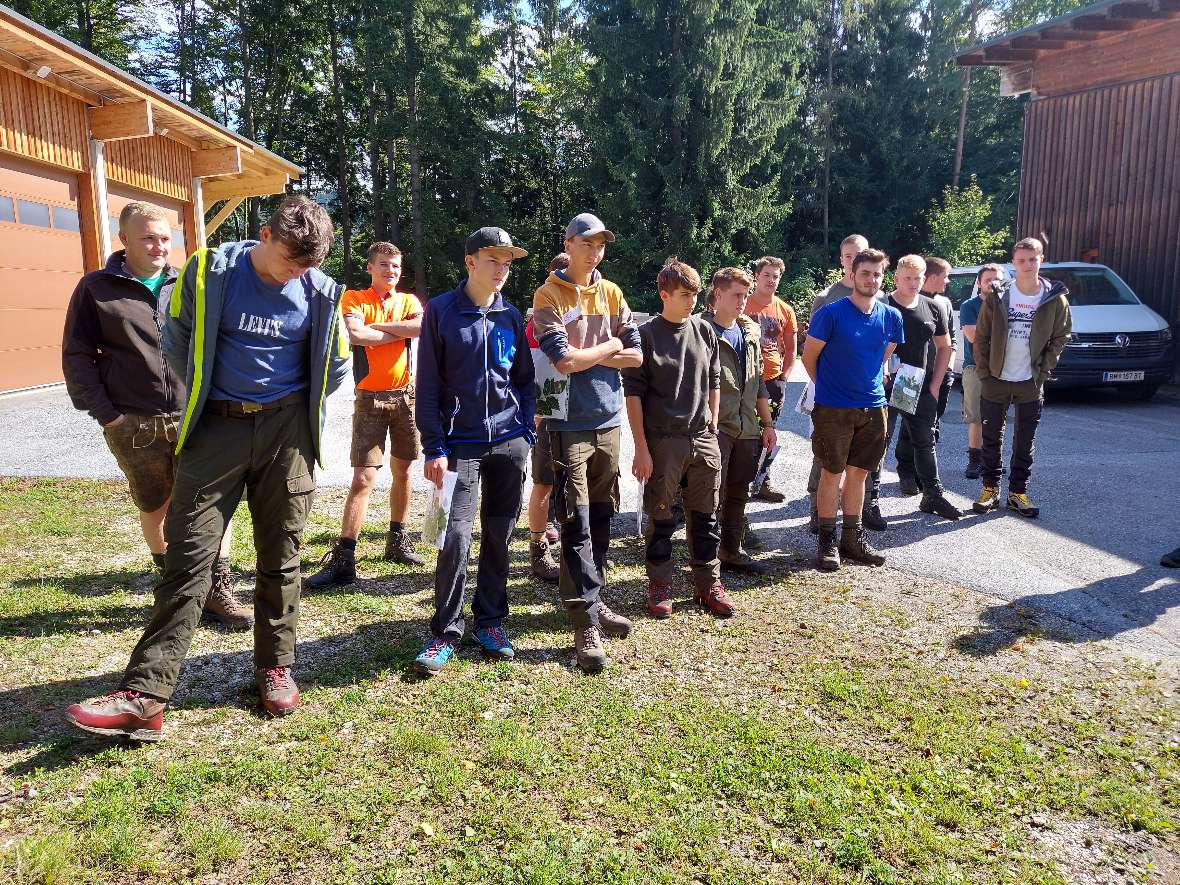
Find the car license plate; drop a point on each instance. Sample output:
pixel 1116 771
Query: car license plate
pixel 1122 376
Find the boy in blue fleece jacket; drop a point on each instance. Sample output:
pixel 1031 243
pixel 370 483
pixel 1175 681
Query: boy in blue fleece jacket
pixel 474 410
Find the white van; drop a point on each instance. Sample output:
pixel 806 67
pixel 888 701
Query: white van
pixel 1117 340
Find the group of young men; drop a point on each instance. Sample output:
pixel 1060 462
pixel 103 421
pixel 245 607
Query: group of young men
pixel 219 377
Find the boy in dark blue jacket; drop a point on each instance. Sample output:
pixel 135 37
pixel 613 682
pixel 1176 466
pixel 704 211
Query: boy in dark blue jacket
pixel 474 411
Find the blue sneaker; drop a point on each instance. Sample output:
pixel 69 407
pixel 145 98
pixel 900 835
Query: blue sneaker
pixel 494 641
pixel 434 656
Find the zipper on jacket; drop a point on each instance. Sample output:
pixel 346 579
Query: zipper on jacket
pixel 487 381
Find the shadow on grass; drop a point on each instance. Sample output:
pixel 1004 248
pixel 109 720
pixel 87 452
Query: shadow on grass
pixel 92 583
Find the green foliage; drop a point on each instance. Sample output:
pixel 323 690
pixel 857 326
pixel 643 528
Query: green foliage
pixel 959 229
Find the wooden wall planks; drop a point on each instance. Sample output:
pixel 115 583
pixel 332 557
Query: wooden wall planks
pixel 41 123
pixel 156 164
pixel 1100 171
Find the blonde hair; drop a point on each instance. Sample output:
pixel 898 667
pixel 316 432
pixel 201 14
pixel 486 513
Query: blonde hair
pixel 146 211
pixel 915 262
pixel 855 240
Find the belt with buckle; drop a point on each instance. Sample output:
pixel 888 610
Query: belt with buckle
pixel 387 396
pixel 232 408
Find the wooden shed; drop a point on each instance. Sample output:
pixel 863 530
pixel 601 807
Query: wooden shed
pixel 79 139
pixel 1100 171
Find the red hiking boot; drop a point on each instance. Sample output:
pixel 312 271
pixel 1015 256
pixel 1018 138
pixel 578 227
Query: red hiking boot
pixel 716 600
pixel 122 713
pixel 659 600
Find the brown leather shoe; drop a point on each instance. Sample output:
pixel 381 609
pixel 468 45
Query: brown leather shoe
pixel 399 548
pixel 613 625
pixel 715 600
pixel 277 689
pixel 122 713
pixel 589 648
pixel 222 607
pixel 740 562
pixel 544 566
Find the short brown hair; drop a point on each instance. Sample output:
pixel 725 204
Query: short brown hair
pixel 146 211
pixel 675 274
pixel 560 261
pixel 727 276
pixel 768 260
pixel 869 256
pixel 1029 243
pixel 938 267
pixel 384 248
pixel 855 240
pixel 304 228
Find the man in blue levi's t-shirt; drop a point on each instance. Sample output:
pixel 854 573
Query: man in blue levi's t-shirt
pixel 847 345
pixel 263 338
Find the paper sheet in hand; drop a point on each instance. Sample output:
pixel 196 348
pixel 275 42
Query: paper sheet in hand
pixel 764 461
pixel 551 386
pixel 438 511
pixel 806 402
pixel 639 510
pixel 907 388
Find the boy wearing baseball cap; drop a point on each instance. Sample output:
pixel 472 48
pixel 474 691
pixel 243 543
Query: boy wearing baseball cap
pixel 584 325
pixel 475 415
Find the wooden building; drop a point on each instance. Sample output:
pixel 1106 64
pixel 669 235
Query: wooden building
pixel 79 139
pixel 1100 171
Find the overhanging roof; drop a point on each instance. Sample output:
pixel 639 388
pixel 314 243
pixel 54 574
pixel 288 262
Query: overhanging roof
pixel 1086 25
pixel 27 47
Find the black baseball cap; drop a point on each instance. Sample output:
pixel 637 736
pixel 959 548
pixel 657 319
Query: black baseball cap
pixel 493 238
pixel 587 225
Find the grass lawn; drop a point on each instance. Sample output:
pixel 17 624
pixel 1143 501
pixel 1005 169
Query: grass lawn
pixel 850 728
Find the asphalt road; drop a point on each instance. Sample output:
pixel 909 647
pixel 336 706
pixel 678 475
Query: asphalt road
pixel 1107 477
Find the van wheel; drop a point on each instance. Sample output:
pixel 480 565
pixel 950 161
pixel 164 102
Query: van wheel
pixel 1138 393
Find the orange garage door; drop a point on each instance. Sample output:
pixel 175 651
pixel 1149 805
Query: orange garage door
pixel 40 263
pixel 119 195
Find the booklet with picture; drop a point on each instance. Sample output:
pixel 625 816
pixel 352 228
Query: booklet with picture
pixel 438 511
pixel 907 388
pixel 552 387
pixel 764 461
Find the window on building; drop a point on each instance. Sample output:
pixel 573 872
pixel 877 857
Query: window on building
pixel 33 214
pixel 7 209
pixel 65 219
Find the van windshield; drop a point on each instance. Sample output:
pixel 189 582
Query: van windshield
pixel 1090 288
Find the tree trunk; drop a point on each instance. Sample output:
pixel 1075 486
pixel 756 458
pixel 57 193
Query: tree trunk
pixel 253 214
pixel 829 112
pixel 392 202
pixel 416 188
pixel 964 99
pixel 341 153
pixel 375 167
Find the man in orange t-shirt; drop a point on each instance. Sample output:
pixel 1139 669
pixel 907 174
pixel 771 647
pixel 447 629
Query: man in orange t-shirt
pixel 779 328
pixel 380 321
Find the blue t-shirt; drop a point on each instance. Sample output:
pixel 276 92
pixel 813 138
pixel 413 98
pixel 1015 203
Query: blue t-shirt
pixel 969 316
pixel 849 374
pixel 262 346
pixel 736 340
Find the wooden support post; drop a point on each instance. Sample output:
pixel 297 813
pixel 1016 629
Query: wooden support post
pixel 98 174
pixel 200 232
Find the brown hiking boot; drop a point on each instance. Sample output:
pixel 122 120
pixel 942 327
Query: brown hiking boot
pixel 338 567
pixel 122 713
pixel 827 554
pixel 854 545
pixel 659 599
pixel 716 600
pixel 769 493
pixel 222 607
pixel 399 548
pixel 277 690
pixel 589 648
pixel 544 566
pixel 613 625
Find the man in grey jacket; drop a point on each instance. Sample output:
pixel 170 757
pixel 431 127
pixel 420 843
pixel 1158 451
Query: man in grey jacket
pixel 255 330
